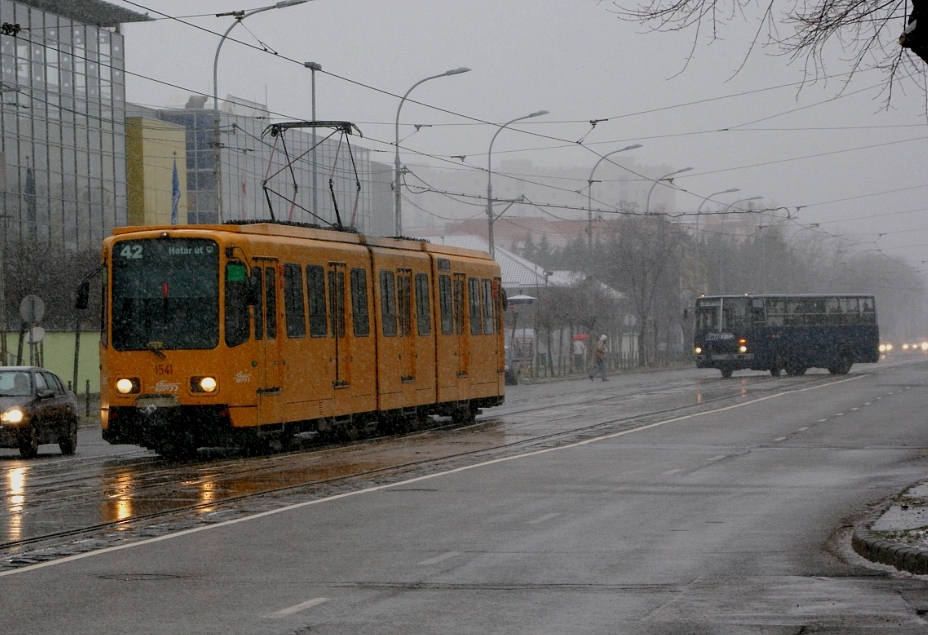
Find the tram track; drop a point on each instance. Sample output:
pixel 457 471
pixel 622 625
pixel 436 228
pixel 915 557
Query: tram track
pixel 316 472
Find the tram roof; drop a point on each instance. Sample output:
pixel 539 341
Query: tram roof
pixel 312 233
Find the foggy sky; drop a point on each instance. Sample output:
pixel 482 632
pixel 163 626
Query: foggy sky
pixel 831 149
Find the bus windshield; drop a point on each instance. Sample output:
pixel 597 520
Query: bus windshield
pixel 165 294
pixel 722 314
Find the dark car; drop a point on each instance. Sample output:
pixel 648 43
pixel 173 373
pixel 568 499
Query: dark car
pixel 36 408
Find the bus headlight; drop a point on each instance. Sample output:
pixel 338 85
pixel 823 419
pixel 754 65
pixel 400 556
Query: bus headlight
pixel 742 349
pixel 203 384
pixel 13 415
pixel 697 350
pixel 128 386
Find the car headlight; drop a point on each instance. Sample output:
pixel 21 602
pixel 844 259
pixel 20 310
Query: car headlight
pixel 128 386
pixel 13 415
pixel 882 348
pixel 203 384
pixel 698 350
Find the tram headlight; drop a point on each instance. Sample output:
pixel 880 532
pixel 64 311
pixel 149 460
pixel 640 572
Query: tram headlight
pixel 203 384
pixel 128 386
pixel 13 415
pixel 698 350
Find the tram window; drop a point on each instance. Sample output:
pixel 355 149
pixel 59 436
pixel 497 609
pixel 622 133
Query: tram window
pixel 423 310
pixel 488 307
pixel 315 290
pixel 337 301
pixel 476 322
pixel 270 299
pixel 445 305
pixel 294 310
pixel 237 321
pixel 458 304
pixel 359 313
pixel 388 303
pixel 259 302
pixel 403 303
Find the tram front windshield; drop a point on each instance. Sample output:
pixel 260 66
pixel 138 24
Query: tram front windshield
pixel 165 294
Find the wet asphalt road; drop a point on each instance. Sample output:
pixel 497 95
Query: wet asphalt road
pixel 669 502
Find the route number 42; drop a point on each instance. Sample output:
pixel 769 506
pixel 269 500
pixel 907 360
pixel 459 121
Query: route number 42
pixel 131 251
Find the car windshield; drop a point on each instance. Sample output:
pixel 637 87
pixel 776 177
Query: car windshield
pixel 15 383
pixel 165 294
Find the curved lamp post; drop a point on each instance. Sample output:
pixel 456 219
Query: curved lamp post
pixel 398 199
pixel 699 209
pixel 589 195
pixel 239 16
pixel 647 207
pixel 490 176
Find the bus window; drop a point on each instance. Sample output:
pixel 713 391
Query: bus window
pixel 708 318
pixel 867 311
pixel 776 312
pixel 734 314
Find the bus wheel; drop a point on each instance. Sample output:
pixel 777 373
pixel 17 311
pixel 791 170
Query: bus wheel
pixel 775 371
pixel 843 366
pixel 726 372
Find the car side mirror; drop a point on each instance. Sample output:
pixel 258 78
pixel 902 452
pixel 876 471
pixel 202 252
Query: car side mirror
pixel 45 393
pixel 83 295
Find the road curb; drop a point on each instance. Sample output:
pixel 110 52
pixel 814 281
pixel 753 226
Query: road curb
pixel 895 554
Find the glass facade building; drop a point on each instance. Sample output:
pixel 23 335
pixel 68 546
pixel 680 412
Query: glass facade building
pixel 62 122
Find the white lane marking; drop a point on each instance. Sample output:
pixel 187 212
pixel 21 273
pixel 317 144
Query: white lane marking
pixel 671 471
pixel 296 608
pixel 840 414
pixel 822 420
pixel 853 409
pixel 716 458
pixel 780 439
pixel 804 429
pixel 543 519
pixel 445 556
pixel 417 479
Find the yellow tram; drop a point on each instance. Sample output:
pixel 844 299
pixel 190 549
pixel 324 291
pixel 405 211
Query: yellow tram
pixel 255 333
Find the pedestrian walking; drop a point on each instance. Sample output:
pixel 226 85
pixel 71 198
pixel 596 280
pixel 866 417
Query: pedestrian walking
pixel 599 358
pixel 579 354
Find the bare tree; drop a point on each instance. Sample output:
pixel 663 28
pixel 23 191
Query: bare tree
pixel 871 33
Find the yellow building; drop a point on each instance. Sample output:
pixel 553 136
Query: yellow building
pixel 155 152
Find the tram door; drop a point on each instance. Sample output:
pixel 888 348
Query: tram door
pixel 268 365
pixel 337 313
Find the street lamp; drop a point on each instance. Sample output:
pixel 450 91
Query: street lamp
pixel 239 16
pixel 699 209
pixel 313 67
pixel 490 175
pixel 589 195
pixel 647 207
pixel 398 204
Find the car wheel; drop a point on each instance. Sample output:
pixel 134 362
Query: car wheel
pixel 29 443
pixel 68 442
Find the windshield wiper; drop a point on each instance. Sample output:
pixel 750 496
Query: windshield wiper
pixel 154 347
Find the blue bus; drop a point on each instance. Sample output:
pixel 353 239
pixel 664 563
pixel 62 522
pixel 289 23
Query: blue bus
pixel 789 333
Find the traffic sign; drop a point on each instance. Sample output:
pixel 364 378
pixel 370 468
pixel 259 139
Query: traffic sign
pixel 32 309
